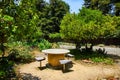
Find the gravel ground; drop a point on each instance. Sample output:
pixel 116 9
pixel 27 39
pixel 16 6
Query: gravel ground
pixel 108 49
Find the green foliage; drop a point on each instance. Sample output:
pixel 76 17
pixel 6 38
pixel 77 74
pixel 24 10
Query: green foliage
pixel 94 56
pixel 55 45
pixel 6 29
pixel 0 52
pixel 55 37
pixel 51 14
pixel 102 5
pixel 117 22
pixel 6 26
pixel 20 56
pixel 106 6
pixel 26 21
pixel 6 70
pixel 20 52
pixel 70 27
pixel 32 16
pixel 86 26
pixel 44 44
pixel 102 60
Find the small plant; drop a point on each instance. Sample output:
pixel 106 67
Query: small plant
pixel 55 35
pixel 44 44
pixel 20 55
pixel 55 45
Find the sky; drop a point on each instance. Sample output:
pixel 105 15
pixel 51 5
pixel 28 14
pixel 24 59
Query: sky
pixel 75 5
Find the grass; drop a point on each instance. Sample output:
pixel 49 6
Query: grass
pixel 94 56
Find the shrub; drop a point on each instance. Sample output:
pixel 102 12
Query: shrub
pixel 44 44
pixel 6 69
pixel 55 35
pixel 20 55
pixel 20 52
pixel 55 45
pixel 98 56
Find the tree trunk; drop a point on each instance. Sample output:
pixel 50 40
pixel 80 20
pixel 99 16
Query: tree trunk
pixel 78 46
pixel 89 48
pixel 2 49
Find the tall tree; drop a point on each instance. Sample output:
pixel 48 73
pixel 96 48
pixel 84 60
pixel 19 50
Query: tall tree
pixel 51 15
pixel 6 23
pixel 26 18
pixel 106 6
pixel 102 5
pixel 116 3
pixel 26 21
pixel 86 26
pixel 58 9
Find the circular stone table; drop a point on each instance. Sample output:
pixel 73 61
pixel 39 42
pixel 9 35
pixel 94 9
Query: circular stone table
pixel 54 55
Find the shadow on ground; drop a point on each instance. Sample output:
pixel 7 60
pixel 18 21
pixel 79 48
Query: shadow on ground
pixel 26 76
pixel 116 58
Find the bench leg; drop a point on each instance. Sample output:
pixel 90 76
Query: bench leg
pixel 40 64
pixel 64 68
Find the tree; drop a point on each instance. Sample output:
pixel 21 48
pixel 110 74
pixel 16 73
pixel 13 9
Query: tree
pixel 6 23
pixel 117 7
pixel 86 26
pixel 116 34
pixel 26 21
pixel 19 22
pixel 106 6
pixel 71 28
pixel 51 15
pixel 6 29
pixel 102 5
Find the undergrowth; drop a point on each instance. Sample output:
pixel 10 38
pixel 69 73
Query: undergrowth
pixel 98 56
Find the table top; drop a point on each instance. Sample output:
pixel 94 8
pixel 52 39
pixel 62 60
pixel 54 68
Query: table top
pixel 56 51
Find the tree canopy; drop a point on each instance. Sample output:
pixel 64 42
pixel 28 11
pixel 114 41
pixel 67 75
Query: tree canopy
pixel 106 6
pixel 87 25
pixel 51 15
pixel 6 29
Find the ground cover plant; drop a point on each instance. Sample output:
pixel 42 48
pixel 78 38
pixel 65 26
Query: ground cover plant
pixel 97 56
pixel 6 69
pixel 20 52
pixel 16 52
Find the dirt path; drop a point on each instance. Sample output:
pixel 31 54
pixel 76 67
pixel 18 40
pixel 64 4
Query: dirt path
pixel 79 71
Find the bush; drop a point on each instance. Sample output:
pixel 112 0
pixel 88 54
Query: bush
pixel 20 56
pixel 55 45
pixel 55 35
pixel 6 69
pixel 98 56
pixel 20 52
pixel 44 44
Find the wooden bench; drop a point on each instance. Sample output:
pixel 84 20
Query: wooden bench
pixel 65 64
pixel 40 59
pixel 69 56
